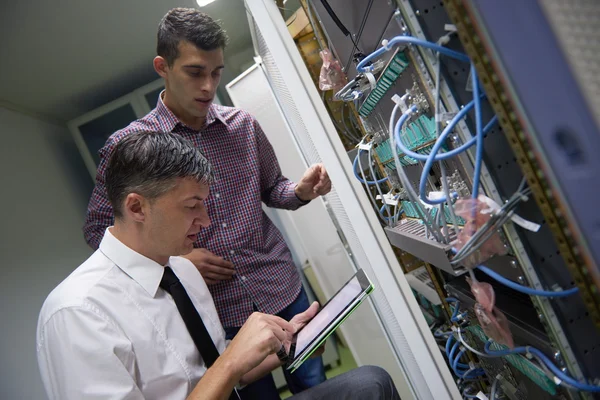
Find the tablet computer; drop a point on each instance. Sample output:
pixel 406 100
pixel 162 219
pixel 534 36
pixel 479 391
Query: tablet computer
pixel 328 318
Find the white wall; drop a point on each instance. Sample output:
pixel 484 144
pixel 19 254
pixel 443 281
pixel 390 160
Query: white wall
pixel 44 192
pixel 236 62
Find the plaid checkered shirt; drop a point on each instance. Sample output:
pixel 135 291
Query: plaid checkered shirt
pixel 247 173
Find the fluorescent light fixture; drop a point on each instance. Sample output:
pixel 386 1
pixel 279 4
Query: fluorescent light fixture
pixel 202 3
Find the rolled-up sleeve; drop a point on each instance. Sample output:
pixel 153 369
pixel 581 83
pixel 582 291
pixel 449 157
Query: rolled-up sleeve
pixel 277 191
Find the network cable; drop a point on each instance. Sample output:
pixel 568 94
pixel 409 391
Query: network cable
pixel 447 131
pixel 351 132
pixel 454 362
pixel 453 351
pixel 397 213
pixel 444 177
pixel 433 156
pixel 346 93
pixel 515 286
pixel 470 396
pixel 362 67
pixel 454 317
pixel 388 44
pixel 479 133
pixel 468 374
pixel 440 219
pixel 456 365
pixel 412 195
pixel 562 377
pixel 390 217
pixel 430 226
pixel 546 370
pixel 371 197
pixel 488 229
pixel 494 389
pixel 525 289
pixel 364 181
pixel 471 349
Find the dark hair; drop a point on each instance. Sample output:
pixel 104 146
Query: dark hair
pixel 148 163
pixel 191 25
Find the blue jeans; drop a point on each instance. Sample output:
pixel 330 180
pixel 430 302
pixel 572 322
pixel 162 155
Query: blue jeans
pixel 311 372
pixel 364 383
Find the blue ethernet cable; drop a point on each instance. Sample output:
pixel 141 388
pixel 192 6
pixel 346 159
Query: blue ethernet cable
pixel 456 360
pixel 454 316
pixel 525 289
pixel 449 154
pixel 401 122
pixel 355 164
pixel 382 209
pixel 449 353
pixel 457 365
pixel 442 334
pixel 448 344
pixel 479 133
pixel 432 157
pixel 555 370
pixel 362 66
pixel 465 367
pixel 477 372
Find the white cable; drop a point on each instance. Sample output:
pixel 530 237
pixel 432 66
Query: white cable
pixel 437 101
pixel 404 179
pixel 387 208
pixel 343 91
pixel 494 387
pixel 472 350
pixel 362 173
pixel 350 132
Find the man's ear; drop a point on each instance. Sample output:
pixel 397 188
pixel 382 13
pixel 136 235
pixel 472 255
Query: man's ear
pixel 135 207
pixel 160 66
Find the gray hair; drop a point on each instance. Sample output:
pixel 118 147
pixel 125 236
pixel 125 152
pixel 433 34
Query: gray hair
pixel 148 163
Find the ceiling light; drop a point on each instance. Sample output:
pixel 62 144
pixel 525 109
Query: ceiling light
pixel 202 3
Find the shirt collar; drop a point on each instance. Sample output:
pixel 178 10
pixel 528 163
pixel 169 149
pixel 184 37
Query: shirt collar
pixel 170 120
pixel 146 272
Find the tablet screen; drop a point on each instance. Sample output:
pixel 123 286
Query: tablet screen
pixel 327 314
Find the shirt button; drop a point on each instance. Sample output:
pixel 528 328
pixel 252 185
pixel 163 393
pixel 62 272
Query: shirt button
pixel 217 195
pixel 243 278
pixel 231 252
pixel 224 225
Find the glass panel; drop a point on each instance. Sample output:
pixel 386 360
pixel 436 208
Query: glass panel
pixel 152 97
pixel 96 132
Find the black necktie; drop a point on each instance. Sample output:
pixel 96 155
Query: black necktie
pixel 192 319
pixel 190 316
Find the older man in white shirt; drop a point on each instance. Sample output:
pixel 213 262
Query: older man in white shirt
pixel 135 321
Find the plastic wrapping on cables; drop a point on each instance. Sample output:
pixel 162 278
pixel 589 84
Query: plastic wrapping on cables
pixel 331 77
pixel 492 320
pixel 476 214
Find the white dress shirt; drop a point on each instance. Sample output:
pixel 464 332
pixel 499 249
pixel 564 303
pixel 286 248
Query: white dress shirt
pixel 109 332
